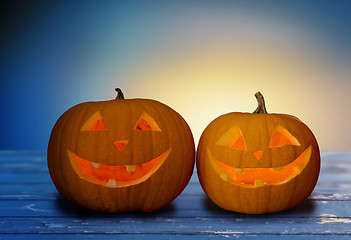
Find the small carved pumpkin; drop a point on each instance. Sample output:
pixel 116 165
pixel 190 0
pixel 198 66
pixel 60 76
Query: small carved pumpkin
pixel 257 163
pixel 121 155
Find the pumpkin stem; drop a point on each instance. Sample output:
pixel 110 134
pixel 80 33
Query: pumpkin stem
pixel 261 105
pixel 119 93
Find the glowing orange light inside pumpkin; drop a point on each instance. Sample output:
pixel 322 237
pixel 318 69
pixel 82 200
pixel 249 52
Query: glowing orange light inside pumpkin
pixel 233 138
pixel 146 123
pixel 255 177
pixel 120 145
pixel 94 123
pixel 240 143
pixel 143 125
pixel 115 175
pixel 281 137
pixel 257 154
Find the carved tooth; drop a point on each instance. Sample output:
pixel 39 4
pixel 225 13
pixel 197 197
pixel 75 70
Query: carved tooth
pixel 223 176
pixel 258 183
pixel 111 183
pixel 130 168
pixel 239 170
pixel 95 165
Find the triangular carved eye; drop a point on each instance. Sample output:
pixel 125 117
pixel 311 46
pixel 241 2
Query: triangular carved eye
pixel 146 123
pixel 94 123
pixel 233 138
pixel 282 137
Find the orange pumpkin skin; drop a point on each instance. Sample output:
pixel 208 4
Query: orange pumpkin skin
pixel 272 164
pixel 99 155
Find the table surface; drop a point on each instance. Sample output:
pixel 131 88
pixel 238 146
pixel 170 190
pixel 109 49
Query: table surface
pixel 31 208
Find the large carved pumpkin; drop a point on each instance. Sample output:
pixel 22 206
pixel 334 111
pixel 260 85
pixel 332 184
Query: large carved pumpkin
pixel 257 162
pixel 121 155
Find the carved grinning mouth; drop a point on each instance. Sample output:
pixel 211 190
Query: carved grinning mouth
pixel 258 177
pixel 115 176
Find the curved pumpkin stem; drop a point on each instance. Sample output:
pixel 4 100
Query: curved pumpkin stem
pixel 120 94
pixel 261 105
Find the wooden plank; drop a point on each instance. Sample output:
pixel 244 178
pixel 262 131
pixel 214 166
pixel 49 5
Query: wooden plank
pixel 30 207
pixel 335 156
pixel 53 236
pixel 8 154
pixel 24 178
pixel 181 226
pixel 338 191
pixel 47 191
pixel 187 206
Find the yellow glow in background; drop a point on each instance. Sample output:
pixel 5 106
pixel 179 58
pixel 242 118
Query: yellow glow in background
pixel 220 66
pixel 202 58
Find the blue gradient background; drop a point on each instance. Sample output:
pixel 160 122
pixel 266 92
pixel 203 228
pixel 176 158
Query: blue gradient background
pixel 57 54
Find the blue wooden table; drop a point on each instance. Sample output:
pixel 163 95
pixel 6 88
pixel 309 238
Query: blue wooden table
pixel 31 208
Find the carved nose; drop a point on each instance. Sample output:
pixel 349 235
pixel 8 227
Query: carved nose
pixel 257 154
pixel 120 145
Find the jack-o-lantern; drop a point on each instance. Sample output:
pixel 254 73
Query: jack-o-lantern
pixel 121 155
pixel 257 162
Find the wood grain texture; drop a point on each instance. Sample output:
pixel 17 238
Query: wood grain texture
pixel 31 208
